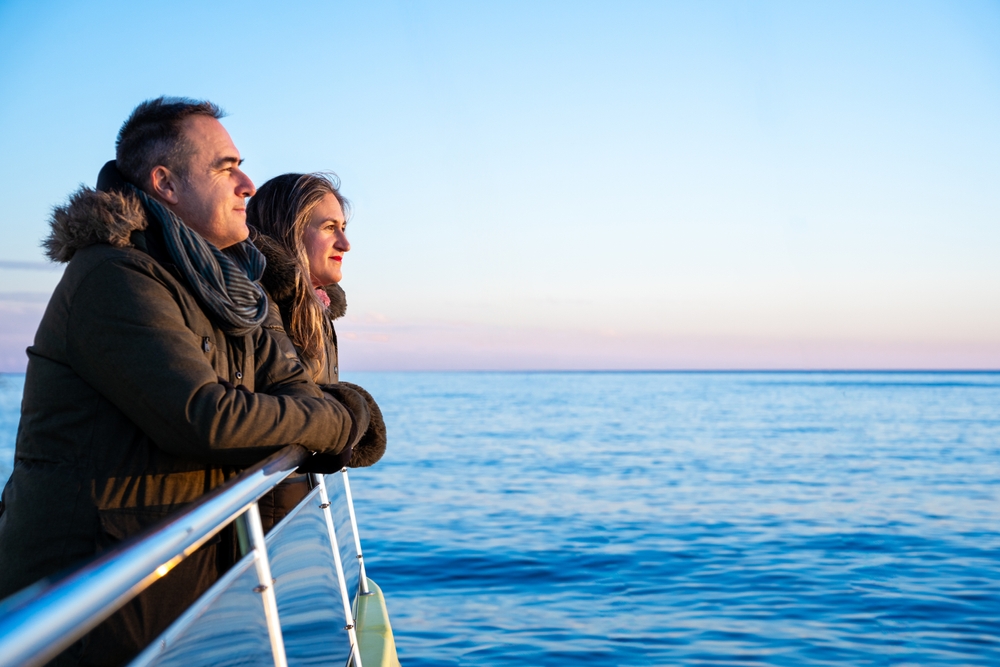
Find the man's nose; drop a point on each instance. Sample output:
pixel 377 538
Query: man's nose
pixel 245 186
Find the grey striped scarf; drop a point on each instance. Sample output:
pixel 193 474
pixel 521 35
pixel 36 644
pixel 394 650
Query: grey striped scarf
pixel 223 281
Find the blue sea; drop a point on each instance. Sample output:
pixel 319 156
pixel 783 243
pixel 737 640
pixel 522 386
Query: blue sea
pixel 681 518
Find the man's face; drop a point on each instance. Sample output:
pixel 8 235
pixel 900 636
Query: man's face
pixel 211 196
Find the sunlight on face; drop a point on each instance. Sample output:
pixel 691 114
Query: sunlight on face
pixel 213 192
pixel 326 242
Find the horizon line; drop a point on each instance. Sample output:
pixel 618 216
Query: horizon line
pixel 900 371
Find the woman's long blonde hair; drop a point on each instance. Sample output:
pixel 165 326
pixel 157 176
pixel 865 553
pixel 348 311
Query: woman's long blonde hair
pixel 281 209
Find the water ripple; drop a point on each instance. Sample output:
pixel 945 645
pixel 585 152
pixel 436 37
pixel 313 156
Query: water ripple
pixel 661 519
pixel 683 518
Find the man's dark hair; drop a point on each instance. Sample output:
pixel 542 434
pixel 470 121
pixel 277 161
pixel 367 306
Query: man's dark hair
pixel 152 136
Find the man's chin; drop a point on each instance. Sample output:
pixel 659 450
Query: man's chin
pixel 241 233
pixel 233 239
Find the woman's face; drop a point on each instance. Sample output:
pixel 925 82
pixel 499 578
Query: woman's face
pixel 326 242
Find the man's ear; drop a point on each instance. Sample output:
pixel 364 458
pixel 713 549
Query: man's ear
pixel 164 184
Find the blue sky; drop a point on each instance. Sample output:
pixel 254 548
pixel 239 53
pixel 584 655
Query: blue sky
pixel 569 185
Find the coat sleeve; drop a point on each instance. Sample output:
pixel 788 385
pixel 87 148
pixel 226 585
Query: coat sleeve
pixel 127 336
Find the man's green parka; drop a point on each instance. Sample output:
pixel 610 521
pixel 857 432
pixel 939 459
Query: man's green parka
pixel 136 403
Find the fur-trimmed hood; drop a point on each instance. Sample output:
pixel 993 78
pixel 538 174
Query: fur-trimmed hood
pixel 91 217
pixel 279 277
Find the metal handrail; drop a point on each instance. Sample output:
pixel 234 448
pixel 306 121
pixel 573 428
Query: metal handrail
pixel 45 620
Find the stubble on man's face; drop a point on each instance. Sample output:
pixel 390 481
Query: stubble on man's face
pixel 212 192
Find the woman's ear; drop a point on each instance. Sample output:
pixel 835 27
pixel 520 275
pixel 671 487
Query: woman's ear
pixel 164 184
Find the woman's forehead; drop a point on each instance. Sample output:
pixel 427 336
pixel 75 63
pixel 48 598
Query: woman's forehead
pixel 328 209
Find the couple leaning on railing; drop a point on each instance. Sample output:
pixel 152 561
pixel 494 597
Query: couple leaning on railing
pixel 298 596
pixel 176 352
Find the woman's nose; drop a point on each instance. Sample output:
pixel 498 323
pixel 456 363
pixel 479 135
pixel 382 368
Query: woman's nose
pixel 342 244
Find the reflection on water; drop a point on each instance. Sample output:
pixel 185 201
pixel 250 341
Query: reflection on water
pixel 683 518
pixel 11 389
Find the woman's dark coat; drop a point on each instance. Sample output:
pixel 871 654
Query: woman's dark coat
pixel 135 404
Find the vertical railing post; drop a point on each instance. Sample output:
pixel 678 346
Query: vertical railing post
pixel 266 587
pixel 242 534
pixel 339 566
pixel 363 581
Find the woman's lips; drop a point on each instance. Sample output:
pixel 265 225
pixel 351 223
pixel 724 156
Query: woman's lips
pixel 337 258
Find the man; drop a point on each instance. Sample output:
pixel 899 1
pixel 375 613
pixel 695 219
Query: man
pixel 150 381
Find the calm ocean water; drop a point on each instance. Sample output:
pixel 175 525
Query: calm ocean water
pixel 681 518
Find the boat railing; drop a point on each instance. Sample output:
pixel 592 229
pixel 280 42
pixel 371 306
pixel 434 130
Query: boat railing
pixel 43 620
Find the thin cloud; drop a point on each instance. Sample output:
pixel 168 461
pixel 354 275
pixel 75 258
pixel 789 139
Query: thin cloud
pixel 29 266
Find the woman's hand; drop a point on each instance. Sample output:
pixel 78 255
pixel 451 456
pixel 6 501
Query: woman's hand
pixel 370 448
pixel 356 401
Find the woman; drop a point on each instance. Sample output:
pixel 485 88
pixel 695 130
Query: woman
pixel 298 222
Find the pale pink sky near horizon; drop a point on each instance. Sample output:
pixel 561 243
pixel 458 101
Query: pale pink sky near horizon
pixel 645 185
pixel 373 343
